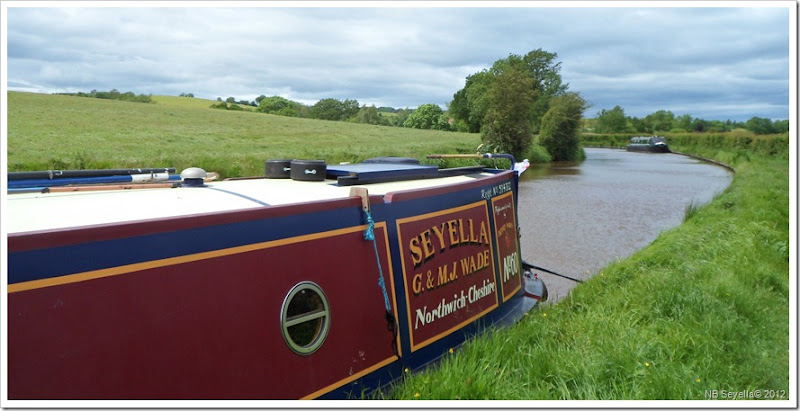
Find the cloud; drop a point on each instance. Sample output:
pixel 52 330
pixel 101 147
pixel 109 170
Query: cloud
pixel 640 58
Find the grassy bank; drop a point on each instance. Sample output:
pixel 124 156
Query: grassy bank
pixel 730 144
pixel 704 307
pixel 48 132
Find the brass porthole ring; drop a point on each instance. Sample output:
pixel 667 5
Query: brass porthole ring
pixel 305 318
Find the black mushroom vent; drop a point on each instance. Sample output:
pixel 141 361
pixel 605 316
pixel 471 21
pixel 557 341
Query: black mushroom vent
pixel 308 170
pixel 277 168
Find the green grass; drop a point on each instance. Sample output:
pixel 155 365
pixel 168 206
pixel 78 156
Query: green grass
pixel 704 307
pixel 190 102
pixel 65 132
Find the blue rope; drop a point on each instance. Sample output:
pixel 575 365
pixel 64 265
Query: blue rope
pixel 369 235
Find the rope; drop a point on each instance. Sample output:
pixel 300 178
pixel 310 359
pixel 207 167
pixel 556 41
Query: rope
pixel 531 266
pixel 369 235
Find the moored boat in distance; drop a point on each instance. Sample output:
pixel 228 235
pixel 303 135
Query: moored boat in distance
pixel 320 281
pixel 653 144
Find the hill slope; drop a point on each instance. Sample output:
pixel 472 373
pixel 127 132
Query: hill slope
pixel 68 132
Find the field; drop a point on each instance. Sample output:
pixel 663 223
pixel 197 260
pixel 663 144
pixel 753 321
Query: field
pixel 64 132
pixel 702 310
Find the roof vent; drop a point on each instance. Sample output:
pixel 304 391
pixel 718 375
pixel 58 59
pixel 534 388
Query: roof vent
pixel 193 177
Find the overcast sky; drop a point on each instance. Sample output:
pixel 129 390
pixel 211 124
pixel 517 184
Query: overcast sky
pixel 710 62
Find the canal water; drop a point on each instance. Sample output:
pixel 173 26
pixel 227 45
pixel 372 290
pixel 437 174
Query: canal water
pixel 576 218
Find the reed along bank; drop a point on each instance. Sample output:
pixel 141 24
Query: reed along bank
pixel 703 309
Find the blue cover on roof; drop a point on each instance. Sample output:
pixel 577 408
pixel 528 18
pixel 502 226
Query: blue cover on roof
pixel 376 171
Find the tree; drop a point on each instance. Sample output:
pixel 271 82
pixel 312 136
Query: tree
pixel 561 125
pixel 637 125
pixel 425 116
pixel 781 126
pixel 760 125
pixel 400 118
pixel 547 80
pixel 508 120
pixel 332 109
pixel 327 109
pixel 659 121
pixel 611 121
pixel 698 125
pixel 470 107
pixel 368 115
pixel 279 106
pixel 349 109
pixel 684 122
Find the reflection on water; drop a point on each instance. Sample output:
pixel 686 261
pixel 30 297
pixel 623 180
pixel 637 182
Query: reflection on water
pixel 578 217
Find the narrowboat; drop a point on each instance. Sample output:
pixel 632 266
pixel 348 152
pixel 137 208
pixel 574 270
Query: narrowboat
pixel 314 281
pixel 652 144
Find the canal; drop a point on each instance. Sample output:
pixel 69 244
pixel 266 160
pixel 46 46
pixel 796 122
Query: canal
pixel 576 218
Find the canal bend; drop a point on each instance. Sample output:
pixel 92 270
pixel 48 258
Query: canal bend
pixel 576 218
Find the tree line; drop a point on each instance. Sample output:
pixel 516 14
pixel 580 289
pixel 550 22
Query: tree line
pixel 113 94
pixel 515 99
pixel 428 116
pixel 520 105
pixel 615 121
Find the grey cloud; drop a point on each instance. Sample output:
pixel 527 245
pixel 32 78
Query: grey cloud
pixel 638 57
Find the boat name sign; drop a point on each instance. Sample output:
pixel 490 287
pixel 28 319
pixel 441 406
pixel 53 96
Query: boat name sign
pixel 448 270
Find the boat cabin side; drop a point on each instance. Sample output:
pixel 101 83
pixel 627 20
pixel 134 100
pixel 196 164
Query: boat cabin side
pixel 250 297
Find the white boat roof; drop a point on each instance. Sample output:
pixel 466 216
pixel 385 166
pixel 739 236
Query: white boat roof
pixel 58 210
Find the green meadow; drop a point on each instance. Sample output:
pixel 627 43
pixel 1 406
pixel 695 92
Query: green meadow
pixel 702 310
pixel 47 132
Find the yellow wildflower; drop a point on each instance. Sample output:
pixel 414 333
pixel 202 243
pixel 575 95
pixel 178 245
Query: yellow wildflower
pixel 416 395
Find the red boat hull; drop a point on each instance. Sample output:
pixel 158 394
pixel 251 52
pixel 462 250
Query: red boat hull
pixel 190 307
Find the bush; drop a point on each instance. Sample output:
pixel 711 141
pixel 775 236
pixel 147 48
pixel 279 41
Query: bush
pixel 537 154
pixel 560 127
pixel 279 106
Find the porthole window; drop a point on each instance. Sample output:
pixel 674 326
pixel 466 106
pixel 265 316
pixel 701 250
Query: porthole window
pixel 305 318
